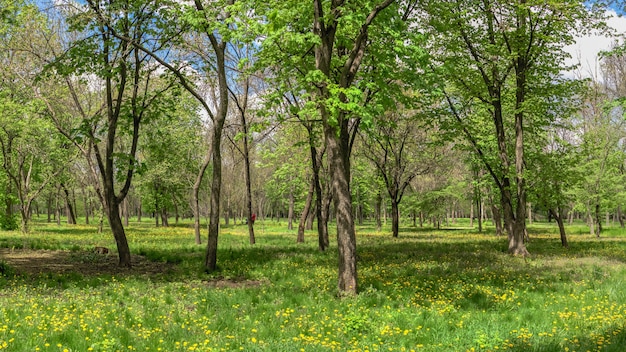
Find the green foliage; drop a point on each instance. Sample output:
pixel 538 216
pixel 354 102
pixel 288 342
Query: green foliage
pixel 9 223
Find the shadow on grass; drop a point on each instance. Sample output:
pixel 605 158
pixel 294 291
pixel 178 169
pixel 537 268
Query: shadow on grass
pixel 417 258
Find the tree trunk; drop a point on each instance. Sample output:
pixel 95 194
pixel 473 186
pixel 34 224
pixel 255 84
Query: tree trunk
pixel 325 217
pixel 290 215
pixel 620 216
pixel 227 211
pixel 497 219
pixel 591 223
pixel 71 218
pixel 322 221
pixel 165 217
pixel 559 220
pixel 195 199
pixel 342 198
pixel 125 211
pixel 115 222
pixel 85 204
pixel 176 213
pixel 210 262
pixel 24 210
pixel 379 201
pixel 305 213
pixel 335 126
pixel 246 160
pixel 310 218
pixel 598 220
pixel 395 217
pixel 57 209
pixel 49 208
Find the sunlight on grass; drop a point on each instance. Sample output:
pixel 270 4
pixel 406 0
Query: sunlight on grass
pixel 425 291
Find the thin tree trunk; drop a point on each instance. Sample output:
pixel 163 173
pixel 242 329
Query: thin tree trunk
pixel 176 214
pixel 305 212
pixel 322 221
pixel 85 204
pixel 598 221
pixel 71 218
pixel 378 205
pixel 49 208
pixel 310 218
pixel 497 219
pixel 559 220
pixel 125 211
pixel 395 217
pixel 57 211
pixel 195 199
pixel 290 215
pixel 325 214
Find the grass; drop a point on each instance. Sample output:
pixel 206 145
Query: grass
pixel 429 290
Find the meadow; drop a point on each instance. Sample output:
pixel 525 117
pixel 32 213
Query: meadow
pixel 428 290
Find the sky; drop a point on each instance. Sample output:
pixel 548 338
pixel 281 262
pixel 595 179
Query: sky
pixel 585 50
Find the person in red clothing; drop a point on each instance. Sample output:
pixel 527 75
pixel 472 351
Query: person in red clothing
pixel 252 218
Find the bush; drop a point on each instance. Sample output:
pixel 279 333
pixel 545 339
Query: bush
pixel 8 223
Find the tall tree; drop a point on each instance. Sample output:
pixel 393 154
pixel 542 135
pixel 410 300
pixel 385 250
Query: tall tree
pixel 31 155
pixel 128 97
pixel 205 26
pixel 504 56
pixel 341 54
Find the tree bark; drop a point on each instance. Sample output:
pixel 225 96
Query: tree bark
pixel 305 212
pixel 558 216
pixel 290 214
pixel 195 199
pixel 71 218
pixel 598 221
pixel 210 263
pixel 395 217
pixel 497 219
pixel 342 200
pixel 378 211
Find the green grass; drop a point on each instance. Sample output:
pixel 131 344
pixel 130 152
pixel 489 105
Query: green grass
pixel 446 290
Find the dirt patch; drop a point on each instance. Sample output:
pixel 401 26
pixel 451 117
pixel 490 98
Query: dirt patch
pixel 233 283
pixel 26 261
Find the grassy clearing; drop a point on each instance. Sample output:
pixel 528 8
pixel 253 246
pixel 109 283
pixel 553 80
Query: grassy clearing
pixel 447 290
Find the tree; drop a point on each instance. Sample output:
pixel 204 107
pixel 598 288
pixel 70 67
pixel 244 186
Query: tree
pixel 169 156
pixel 32 156
pixel 341 55
pixel 397 146
pixel 502 57
pixel 130 93
pixel 207 28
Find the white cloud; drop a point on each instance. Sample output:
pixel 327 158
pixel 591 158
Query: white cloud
pixel 586 49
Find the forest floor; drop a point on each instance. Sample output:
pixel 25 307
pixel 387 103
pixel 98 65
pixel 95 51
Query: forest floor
pixel 29 261
pixel 428 290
